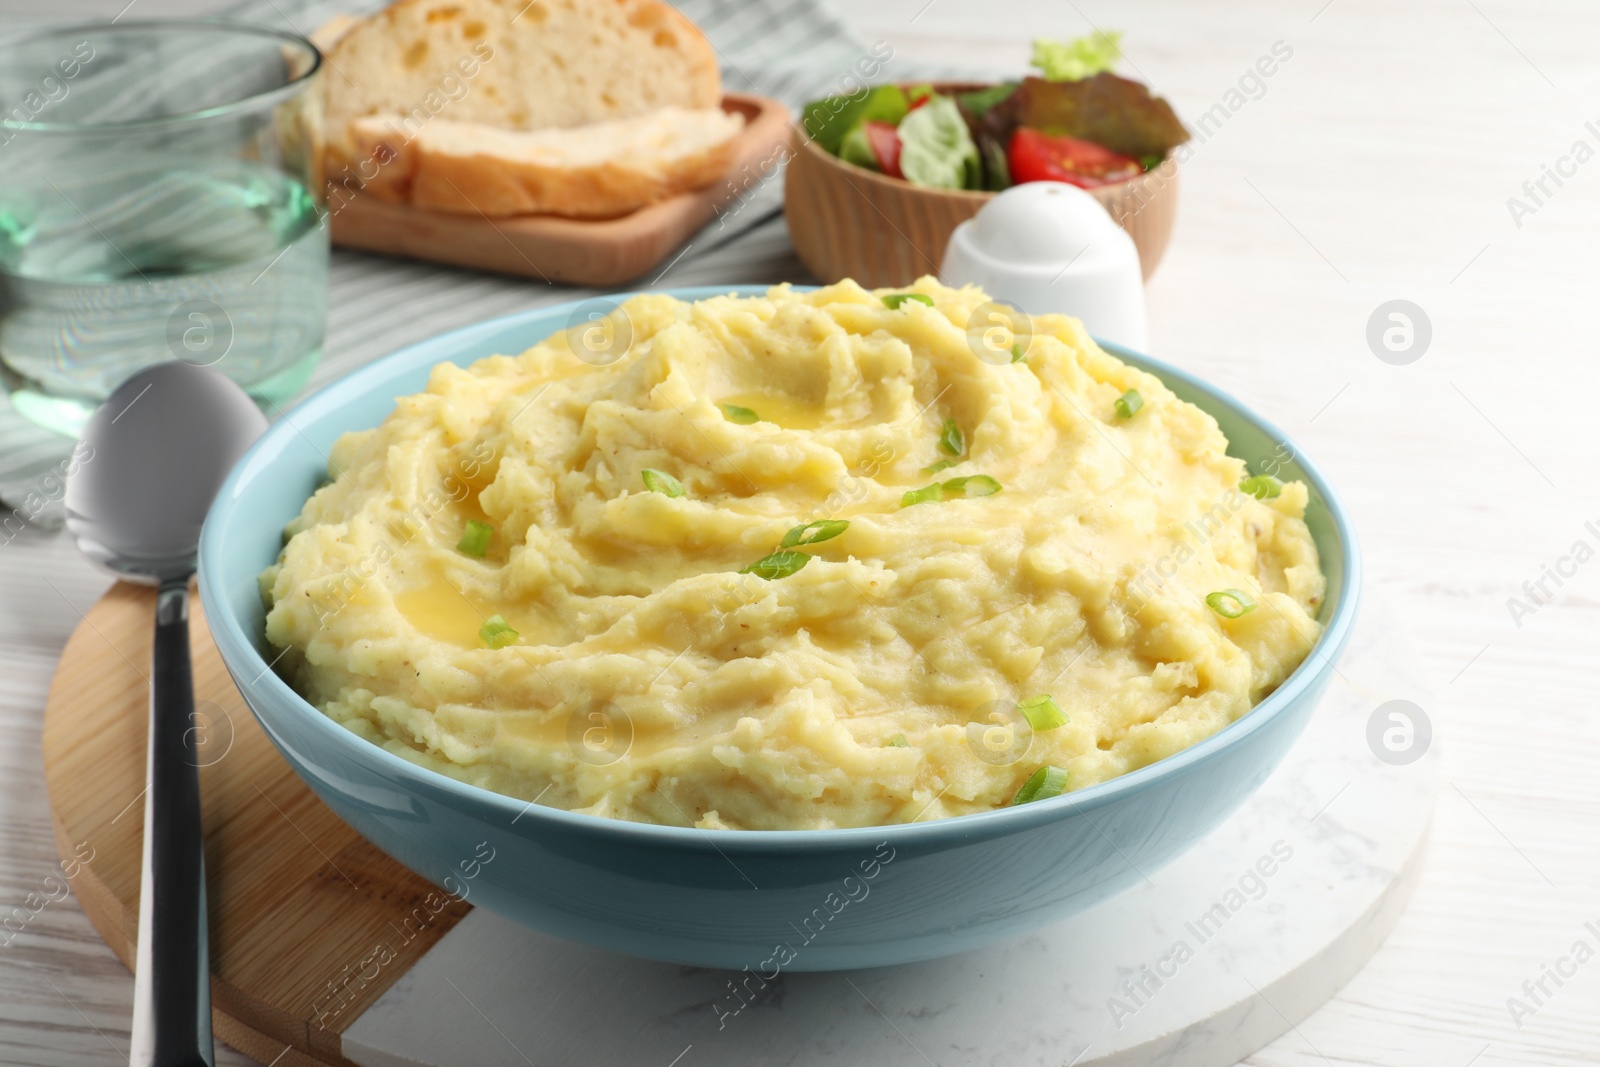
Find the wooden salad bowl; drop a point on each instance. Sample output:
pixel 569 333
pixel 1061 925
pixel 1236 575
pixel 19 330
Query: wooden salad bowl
pixel 849 222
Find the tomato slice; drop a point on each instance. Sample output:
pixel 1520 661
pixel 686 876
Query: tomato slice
pixel 1041 157
pixel 885 142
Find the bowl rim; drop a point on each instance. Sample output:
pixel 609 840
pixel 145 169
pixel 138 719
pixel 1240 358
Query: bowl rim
pixel 236 647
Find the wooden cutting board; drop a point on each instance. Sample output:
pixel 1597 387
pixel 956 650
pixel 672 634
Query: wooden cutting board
pixel 573 251
pixel 310 924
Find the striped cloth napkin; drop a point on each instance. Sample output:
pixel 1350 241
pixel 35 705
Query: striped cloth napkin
pixel 794 50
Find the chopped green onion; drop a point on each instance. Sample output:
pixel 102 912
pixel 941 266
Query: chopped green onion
pixel 894 300
pixel 1042 713
pixel 1261 486
pixel 899 741
pixel 1042 784
pixel 1128 403
pixel 475 541
pixel 973 485
pixel 662 482
pixel 943 464
pixel 951 443
pixel 812 532
pixel 1230 603
pixel 778 564
pixel 1017 354
pixel 497 633
pixel 743 416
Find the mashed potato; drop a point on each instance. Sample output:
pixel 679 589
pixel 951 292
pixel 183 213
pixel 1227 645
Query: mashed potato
pixel 609 652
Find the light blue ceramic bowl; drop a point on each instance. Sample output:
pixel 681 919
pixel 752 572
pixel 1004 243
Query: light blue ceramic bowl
pixel 796 900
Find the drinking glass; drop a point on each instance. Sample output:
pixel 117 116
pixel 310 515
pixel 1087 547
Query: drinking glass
pixel 160 198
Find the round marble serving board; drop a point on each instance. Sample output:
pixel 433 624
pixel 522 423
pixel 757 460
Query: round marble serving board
pixel 320 957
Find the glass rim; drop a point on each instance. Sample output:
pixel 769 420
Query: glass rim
pixel 255 101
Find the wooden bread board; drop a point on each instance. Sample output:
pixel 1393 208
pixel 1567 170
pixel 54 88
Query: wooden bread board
pixel 310 923
pixel 594 252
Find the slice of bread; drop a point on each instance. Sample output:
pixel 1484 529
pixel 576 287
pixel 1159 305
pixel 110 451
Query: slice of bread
pixel 328 34
pixel 517 64
pixel 600 170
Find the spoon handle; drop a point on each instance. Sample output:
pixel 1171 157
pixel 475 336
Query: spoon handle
pixel 172 973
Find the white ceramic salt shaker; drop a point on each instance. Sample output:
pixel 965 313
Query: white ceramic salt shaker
pixel 1049 247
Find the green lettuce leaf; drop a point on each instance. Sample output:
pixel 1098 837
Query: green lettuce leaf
pixel 828 120
pixel 977 103
pixel 855 148
pixel 936 149
pixel 1063 61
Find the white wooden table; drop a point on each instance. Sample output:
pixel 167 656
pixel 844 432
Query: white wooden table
pixel 1375 164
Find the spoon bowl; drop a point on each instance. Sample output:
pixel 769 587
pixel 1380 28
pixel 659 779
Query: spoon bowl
pixel 157 451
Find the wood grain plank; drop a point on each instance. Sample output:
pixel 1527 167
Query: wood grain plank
pixel 309 922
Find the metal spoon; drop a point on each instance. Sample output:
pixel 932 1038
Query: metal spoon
pixel 162 445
